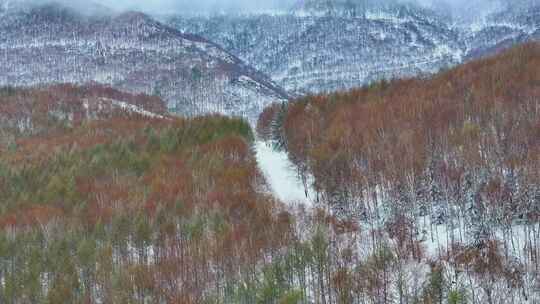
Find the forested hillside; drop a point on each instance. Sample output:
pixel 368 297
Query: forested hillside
pixel 55 43
pixel 446 169
pixel 422 190
pixel 316 50
pixel 323 46
pixel 427 193
pixel 120 204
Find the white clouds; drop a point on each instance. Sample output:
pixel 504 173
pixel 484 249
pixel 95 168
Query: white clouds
pixel 210 6
pixel 165 6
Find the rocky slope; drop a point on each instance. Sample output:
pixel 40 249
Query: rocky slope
pixel 129 51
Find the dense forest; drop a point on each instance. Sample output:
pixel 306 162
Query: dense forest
pixel 446 169
pixel 126 207
pixel 428 192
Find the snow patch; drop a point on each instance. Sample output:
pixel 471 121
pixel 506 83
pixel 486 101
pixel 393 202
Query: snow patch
pixel 281 175
pixel 135 109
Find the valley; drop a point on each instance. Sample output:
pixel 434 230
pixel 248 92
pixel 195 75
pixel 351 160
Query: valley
pixel 281 175
pixel 318 152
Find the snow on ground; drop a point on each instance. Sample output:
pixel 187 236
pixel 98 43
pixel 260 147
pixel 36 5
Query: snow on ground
pixel 280 174
pixel 134 109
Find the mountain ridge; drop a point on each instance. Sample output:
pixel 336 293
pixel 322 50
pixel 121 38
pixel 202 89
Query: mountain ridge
pixel 130 51
pixel 313 49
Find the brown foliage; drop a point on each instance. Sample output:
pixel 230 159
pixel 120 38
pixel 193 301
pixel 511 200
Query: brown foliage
pixel 481 116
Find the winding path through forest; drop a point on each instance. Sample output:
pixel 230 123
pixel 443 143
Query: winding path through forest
pixel 280 174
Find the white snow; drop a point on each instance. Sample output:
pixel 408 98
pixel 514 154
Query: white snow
pixel 380 15
pixel 134 109
pixel 280 174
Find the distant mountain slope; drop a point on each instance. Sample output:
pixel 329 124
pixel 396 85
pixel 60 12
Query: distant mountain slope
pixel 500 30
pixel 334 45
pixel 130 51
pixel 310 52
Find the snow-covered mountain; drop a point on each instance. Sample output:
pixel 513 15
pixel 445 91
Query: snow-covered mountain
pixel 326 45
pixel 129 51
pixel 317 49
pixel 515 23
pixel 202 64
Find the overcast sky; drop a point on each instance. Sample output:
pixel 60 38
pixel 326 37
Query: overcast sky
pixel 212 6
pixel 163 6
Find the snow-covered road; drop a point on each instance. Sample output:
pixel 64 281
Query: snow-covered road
pixel 280 174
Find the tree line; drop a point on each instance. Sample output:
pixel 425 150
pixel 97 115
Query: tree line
pixel 427 191
pixel 449 161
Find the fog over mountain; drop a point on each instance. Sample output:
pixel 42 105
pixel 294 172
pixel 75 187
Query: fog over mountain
pixel 250 5
pixel 244 6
